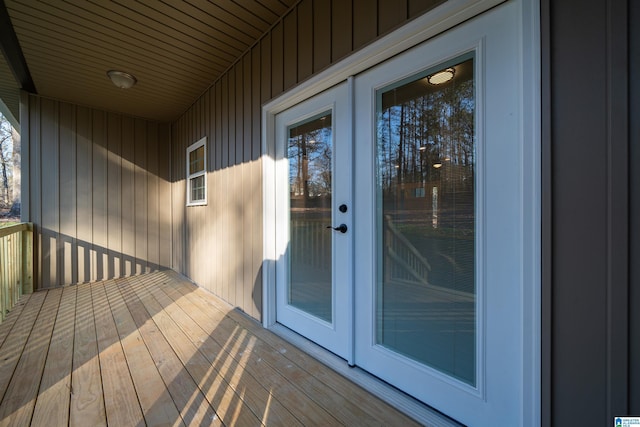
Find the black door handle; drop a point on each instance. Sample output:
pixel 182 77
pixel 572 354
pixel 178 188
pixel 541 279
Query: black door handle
pixel 341 228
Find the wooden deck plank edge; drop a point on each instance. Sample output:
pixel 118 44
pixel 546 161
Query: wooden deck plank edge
pixel 332 404
pixel 194 407
pixel 157 406
pixel 226 403
pixel 7 325
pixel 120 398
pixel 231 364
pixel 264 403
pixel 86 407
pixel 375 410
pixel 54 394
pixel 20 397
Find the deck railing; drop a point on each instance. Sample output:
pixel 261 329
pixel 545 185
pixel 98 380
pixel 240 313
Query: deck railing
pixel 16 264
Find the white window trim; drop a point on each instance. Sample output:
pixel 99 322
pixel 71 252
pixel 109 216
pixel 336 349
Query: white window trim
pixel 200 143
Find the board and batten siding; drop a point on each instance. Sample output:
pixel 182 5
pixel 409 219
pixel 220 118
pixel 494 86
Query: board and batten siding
pixel 219 246
pixel 99 192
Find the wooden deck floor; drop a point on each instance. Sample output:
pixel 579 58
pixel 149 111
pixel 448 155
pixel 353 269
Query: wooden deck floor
pixel 156 350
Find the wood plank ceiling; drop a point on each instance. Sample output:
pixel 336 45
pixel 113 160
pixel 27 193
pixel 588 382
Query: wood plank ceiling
pixel 175 49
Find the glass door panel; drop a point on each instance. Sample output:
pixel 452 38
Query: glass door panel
pixel 310 147
pixel 440 218
pixel 313 192
pixel 426 218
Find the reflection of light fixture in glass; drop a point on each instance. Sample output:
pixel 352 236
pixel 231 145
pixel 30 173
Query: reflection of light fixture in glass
pixel 422 147
pixel 312 141
pixel 441 76
pixel 447 159
pixel 437 165
pixel 121 79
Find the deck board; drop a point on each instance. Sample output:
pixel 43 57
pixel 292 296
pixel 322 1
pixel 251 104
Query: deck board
pixel 194 408
pixel 156 350
pixel 156 403
pixel 234 366
pixel 266 364
pixel 52 405
pixel 218 391
pixel 120 398
pixel 19 400
pixel 9 322
pixel 87 399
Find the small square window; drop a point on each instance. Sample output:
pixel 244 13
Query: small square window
pixel 197 173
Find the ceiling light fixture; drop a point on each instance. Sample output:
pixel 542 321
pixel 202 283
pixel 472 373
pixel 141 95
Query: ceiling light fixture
pixel 441 76
pixel 121 79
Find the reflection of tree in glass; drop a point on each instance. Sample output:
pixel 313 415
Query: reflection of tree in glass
pixel 310 163
pixel 417 134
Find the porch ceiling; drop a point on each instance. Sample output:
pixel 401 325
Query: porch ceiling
pixel 175 49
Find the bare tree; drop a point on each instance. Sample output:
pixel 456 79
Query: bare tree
pixel 15 207
pixel 9 155
pixel 5 157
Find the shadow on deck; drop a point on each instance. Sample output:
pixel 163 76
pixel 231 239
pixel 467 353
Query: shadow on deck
pixel 156 350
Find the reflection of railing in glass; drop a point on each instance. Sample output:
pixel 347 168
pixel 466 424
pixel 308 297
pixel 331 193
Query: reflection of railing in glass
pixel 403 262
pixel 313 243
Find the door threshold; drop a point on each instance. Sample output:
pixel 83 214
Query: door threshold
pixel 381 389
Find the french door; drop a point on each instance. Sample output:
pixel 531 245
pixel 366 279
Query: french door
pixel 313 215
pixel 422 186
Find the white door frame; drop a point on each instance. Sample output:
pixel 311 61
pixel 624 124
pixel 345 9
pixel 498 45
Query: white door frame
pixel 337 334
pixel 440 19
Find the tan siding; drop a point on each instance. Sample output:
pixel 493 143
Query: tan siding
pixel 223 241
pixel 35 168
pixel 128 196
pixel 114 195
pixel 265 68
pixel 277 56
pixel 255 188
pixel 290 29
pixel 140 188
pixel 256 104
pixel 84 192
pixel 215 191
pixel 391 14
pixel 341 28
pixel 247 107
pixel 153 233
pixel 83 200
pixel 418 7
pixel 305 40
pixel 50 194
pixel 365 22
pixel 321 35
pixel 68 194
pixel 248 220
pixel 99 207
pixel 164 195
pixel 178 198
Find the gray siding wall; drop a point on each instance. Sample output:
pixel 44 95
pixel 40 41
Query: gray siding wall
pixel 219 246
pixel 100 192
pixel 590 331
